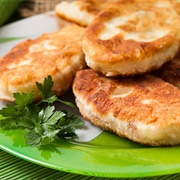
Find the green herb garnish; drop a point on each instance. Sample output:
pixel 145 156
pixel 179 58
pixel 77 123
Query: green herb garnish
pixel 41 125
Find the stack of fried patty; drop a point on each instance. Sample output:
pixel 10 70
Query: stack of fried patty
pixel 125 44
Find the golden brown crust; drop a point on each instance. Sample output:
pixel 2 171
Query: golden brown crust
pixel 131 37
pixel 58 54
pixel 144 109
pixel 81 11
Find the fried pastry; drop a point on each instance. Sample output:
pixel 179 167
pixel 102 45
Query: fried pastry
pixel 144 108
pixel 58 54
pixel 174 5
pixel 81 12
pixel 131 37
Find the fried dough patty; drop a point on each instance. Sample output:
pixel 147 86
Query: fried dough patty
pixel 170 72
pixel 143 108
pixel 58 54
pixel 81 11
pixel 132 37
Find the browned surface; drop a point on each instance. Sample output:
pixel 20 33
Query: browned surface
pixel 90 7
pixel 144 108
pixel 58 54
pixel 114 56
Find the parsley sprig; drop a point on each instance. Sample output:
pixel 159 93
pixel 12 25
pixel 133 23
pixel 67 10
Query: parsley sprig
pixel 42 126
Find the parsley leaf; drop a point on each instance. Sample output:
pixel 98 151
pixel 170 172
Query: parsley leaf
pixel 42 126
pixel 46 88
pixel 67 125
pixel 23 101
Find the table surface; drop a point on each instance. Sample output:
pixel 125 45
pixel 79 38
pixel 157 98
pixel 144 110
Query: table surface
pixel 14 168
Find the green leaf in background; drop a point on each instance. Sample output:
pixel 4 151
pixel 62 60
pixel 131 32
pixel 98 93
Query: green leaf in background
pixel 7 8
pixel 8 39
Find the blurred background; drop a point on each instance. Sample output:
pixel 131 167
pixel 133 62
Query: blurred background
pixel 13 10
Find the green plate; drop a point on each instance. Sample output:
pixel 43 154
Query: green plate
pixel 105 154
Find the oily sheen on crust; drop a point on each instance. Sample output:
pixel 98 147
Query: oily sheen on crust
pixel 58 54
pixel 144 109
pixel 132 37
